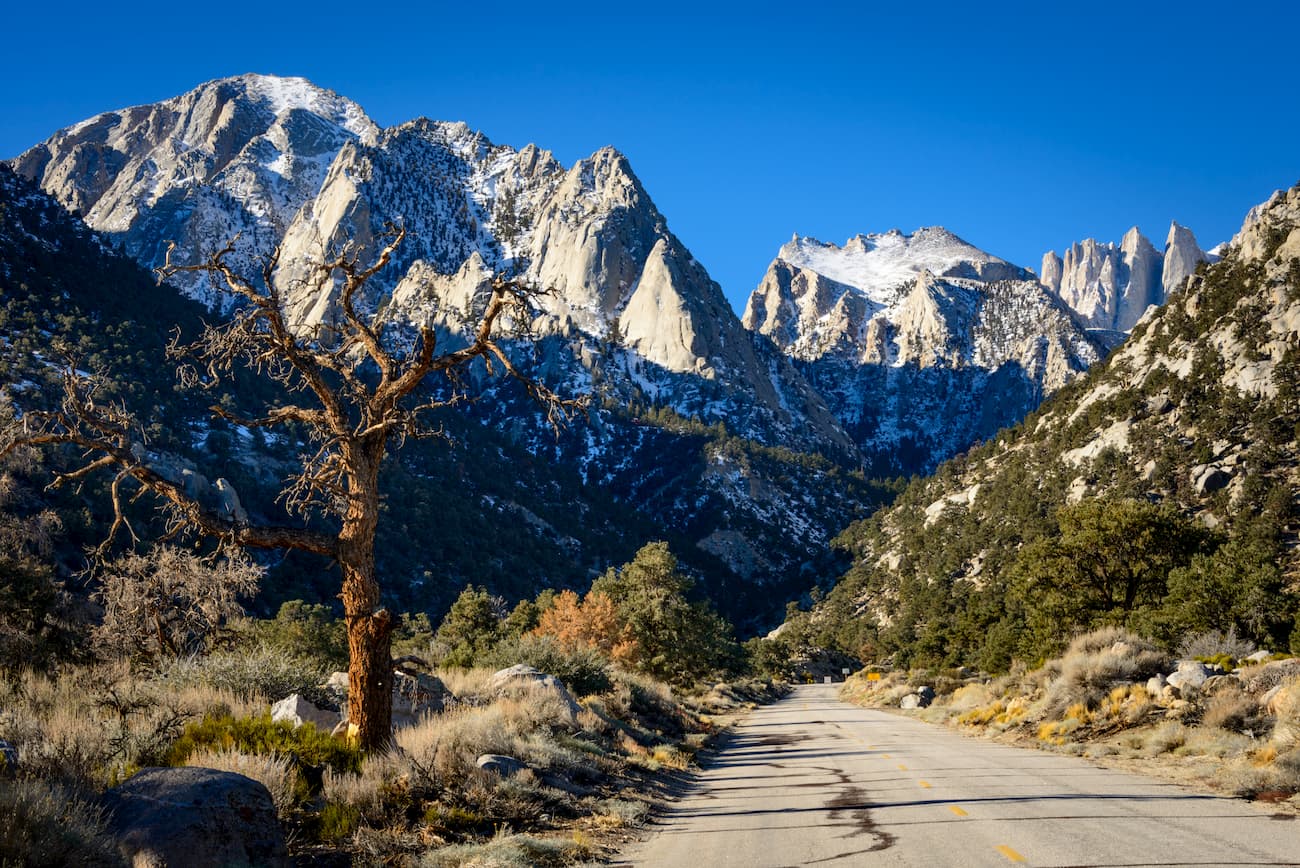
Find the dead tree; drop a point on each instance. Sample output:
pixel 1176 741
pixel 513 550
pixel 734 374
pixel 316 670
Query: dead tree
pixel 351 392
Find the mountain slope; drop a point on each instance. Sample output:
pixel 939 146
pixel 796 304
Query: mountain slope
pixel 481 510
pixel 921 344
pixel 1196 416
pixel 694 417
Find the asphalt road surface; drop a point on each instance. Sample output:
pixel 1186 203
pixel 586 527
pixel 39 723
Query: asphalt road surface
pixel 810 780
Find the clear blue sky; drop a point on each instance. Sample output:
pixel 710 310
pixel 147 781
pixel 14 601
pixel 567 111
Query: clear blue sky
pixel 1021 127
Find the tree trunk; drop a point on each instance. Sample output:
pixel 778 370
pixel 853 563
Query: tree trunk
pixel 370 660
pixel 370 677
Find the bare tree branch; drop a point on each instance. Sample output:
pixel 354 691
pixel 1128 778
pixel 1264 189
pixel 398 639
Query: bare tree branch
pixel 353 398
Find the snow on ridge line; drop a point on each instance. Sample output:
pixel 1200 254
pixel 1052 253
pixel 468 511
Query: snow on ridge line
pixel 284 93
pixel 879 262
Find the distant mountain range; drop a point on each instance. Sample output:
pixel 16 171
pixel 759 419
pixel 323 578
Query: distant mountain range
pixel 886 355
pixel 921 344
pixel 1197 412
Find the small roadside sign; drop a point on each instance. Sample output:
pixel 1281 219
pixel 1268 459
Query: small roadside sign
pixel 873 676
pixel 845 670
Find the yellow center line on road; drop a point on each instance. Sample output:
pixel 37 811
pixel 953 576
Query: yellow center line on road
pixel 884 756
pixel 958 811
pixel 902 768
pixel 925 785
pixel 1011 855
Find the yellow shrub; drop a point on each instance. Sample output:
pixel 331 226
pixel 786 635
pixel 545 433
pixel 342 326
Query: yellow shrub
pixel 982 715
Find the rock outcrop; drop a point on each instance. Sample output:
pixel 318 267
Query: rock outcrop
pixel 414 696
pixel 298 710
pixel 524 678
pixel 1112 287
pixel 234 155
pixel 1182 255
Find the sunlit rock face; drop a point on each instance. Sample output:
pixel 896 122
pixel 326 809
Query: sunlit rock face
pixel 921 343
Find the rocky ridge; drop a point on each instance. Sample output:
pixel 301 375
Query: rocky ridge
pixel 1112 287
pixel 692 412
pixel 922 344
pixel 282 162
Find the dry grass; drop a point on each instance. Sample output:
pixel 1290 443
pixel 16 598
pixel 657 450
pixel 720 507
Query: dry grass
pixel 620 813
pixel 261 674
pixel 278 774
pixel 468 685
pixel 510 851
pixel 383 777
pixel 1234 710
pixel 446 746
pixel 1218 743
pixel 92 726
pixel 44 825
pixel 1164 738
pixel 1095 663
pixel 969 697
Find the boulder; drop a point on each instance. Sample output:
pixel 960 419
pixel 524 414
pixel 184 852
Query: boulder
pixel 524 677
pixel 1189 675
pixel 297 710
pixel 196 818
pixel 1156 685
pixel 1209 478
pixel 912 701
pixel 1281 700
pixel 414 696
pixel 1216 683
pixel 1257 657
pixel 926 694
pixel 1262 678
pixel 505 766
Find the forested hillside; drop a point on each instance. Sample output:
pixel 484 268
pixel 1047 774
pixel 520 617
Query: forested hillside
pixel 1158 492
pixel 475 508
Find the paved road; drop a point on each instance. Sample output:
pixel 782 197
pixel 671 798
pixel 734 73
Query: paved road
pixel 814 781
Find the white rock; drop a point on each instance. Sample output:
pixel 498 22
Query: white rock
pixel 1190 674
pixel 505 766
pixel 1182 255
pixel 297 710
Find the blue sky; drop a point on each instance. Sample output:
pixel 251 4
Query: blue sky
pixel 1021 127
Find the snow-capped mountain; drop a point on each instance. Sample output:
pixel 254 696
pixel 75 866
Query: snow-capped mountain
pixel 235 156
pixel 629 314
pixel 1112 287
pixel 280 161
pixel 629 303
pixel 922 343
